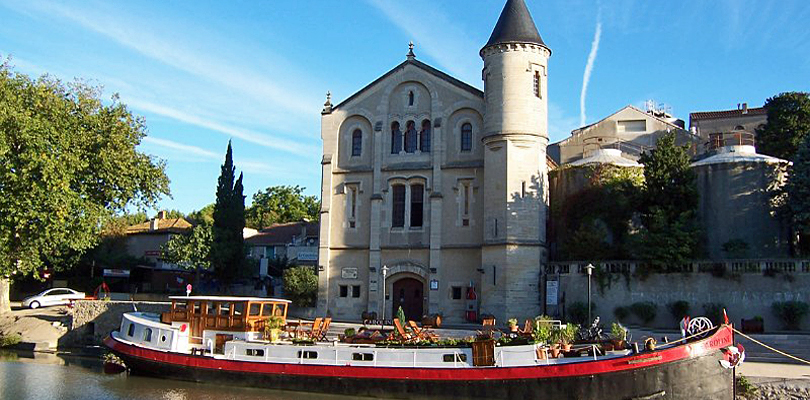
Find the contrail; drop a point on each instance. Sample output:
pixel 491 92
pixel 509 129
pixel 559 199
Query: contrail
pixel 586 77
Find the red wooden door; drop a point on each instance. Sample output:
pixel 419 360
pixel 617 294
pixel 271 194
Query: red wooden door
pixel 408 293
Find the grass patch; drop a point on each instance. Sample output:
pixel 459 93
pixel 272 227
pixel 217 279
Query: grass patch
pixel 10 340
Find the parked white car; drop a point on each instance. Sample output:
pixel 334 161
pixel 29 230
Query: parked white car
pixel 52 297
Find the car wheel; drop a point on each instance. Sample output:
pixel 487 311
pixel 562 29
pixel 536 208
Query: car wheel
pixel 34 305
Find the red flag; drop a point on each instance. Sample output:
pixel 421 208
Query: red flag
pixel 725 316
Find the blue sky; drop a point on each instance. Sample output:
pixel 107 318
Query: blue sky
pixel 203 72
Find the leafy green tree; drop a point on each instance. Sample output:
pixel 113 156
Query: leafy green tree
pixel 278 204
pixel 668 204
pixel 228 244
pixel 69 163
pixel 204 215
pixel 191 249
pixel 301 285
pixel 788 124
pixel 798 194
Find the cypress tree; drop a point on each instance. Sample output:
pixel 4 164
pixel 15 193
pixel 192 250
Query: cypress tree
pixel 228 244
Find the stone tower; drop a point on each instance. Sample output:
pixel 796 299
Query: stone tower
pixel 515 172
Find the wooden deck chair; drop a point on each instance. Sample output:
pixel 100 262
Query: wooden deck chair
pixel 488 327
pixel 422 333
pixel 324 329
pixel 528 329
pixel 400 333
pixel 316 326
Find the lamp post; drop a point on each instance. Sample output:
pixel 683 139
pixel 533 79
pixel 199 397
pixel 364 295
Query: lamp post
pixel 589 268
pixel 384 271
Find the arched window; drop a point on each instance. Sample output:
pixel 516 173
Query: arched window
pixel 417 204
pixel 398 206
pixel 410 137
pixel 424 137
pixel 147 335
pixel 357 142
pixel 396 138
pixel 466 137
pixel 410 98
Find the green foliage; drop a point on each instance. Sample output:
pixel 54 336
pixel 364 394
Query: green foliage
pixel 597 218
pixel 349 332
pixel 668 204
pixel 714 312
pixel 191 249
pixel 70 162
pixel 621 313
pixel 797 190
pixel 204 215
pixel 791 313
pixel 278 204
pixel 277 265
pixel 678 309
pixel 645 311
pixel 618 331
pixel 401 315
pixel 228 245
pixel 745 388
pixel 301 285
pixel 274 322
pixel 735 248
pixel 569 333
pixel 788 124
pixel 543 331
pixel 578 312
pixel 10 340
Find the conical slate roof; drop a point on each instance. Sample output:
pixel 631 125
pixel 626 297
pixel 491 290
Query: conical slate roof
pixel 515 25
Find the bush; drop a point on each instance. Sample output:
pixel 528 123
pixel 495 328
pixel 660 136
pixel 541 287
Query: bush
pixel 645 311
pixel 714 312
pixel 10 340
pixel 578 313
pixel 678 309
pixel 791 313
pixel 301 285
pixel 621 313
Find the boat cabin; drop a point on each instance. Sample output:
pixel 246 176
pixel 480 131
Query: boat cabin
pixel 223 314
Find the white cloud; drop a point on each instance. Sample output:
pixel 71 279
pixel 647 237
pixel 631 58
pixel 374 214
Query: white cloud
pixel 184 148
pixel 586 77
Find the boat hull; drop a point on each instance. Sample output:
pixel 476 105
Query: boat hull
pixel 687 372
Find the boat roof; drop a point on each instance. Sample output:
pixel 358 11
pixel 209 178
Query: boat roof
pixel 229 298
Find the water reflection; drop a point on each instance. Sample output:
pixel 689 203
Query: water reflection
pixel 28 375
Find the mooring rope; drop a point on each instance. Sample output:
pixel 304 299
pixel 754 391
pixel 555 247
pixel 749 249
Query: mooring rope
pixel 771 348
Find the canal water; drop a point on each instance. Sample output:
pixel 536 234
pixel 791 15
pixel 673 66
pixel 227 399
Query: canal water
pixel 37 376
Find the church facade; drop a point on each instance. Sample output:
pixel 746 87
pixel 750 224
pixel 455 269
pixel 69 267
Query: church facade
pixel 433 189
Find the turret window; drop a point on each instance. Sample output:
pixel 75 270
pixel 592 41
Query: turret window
pixel 466 137
pixel 357 142
pixel 537 83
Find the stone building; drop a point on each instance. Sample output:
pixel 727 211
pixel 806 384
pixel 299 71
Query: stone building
pixel 728 127
pixel 431 186
pixel 295 241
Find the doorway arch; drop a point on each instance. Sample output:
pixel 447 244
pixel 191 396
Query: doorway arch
pixel 409 293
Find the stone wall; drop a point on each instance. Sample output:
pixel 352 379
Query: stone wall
pixel 745 289
pixel 93 320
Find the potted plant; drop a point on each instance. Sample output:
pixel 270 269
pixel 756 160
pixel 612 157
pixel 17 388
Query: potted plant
pixel 272 327
pixel 555 338
pixel 619 335
pixel 542 332
pixel 568 335
pixel 513 325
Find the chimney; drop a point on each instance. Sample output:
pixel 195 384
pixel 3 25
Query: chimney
pixel 154 224
pixel 745 108
pixel 161 215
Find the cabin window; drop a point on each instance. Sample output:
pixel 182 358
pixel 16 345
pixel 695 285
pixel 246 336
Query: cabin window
pixel 238 309
pixel 454 358
pixel 196 307
pixel 307 354
pixel 225 309
pixel 267 310
pixel 147 335
pixel 280 310
pixel 210 308
pixel 162 338
pixel 254 352
pixel 131 330
pixel 362 356
pixel 456 292
pixel 255 309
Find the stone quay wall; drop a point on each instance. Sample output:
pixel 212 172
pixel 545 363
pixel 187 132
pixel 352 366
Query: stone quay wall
pixel 93 320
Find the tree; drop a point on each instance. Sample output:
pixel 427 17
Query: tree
pixel 668 202
pixel 191 249
pixel 278 204
pixel 301 285
pixel 228 243
pixel 788 124
pixel 798 192
pixel 69 162
pixel 204 215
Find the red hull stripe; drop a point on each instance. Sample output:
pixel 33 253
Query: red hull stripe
pixel 722 338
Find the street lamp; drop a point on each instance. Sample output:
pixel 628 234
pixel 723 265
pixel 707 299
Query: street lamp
pixel 589 268
pixel 384 271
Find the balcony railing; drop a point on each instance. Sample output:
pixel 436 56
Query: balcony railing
pixel 741 266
